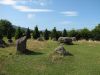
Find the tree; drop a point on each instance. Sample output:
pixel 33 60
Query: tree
pixel 28 33
pixel 85 34
pixel 1 36
pixel 5 26
pixel 18 33
pixel 36 33
pixel 96 33
pixel 64 33
pixel 59 34
pixel 9 34
pixel 46 34
pixel 72 33
pixel 54 34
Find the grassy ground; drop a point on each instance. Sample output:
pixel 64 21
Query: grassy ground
pixel 86 59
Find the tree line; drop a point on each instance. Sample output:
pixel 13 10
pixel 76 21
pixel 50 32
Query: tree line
pixel 7 30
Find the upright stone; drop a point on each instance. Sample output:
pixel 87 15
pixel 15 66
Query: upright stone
pixel 21 44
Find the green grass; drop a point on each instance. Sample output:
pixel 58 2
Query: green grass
pixel 85 59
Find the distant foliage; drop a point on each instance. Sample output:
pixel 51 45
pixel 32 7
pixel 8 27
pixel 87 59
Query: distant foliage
pixel 46 34
pixel 96 33
pixel 18 33
pixel 36 33
pixel 85 34
pixel 28 33
pixel 9 34
pixel 6 27
pixel 1 36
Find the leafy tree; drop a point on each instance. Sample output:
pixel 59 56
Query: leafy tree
pixel 72 33
pixel 96 33
pixel 64 33
pixel 28 33
pixel 78 35
pixel 18 33
pixel 36 33
pixel 46 35
pixel 85 34
pixel 5 26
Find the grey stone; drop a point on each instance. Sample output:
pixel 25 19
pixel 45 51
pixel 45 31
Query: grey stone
pixel 21 44
pixel 61 50
pixel 40 39
pixel 66 40
pixel 73 38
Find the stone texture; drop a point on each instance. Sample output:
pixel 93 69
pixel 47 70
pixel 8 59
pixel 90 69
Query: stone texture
pixel 73 38
pixel 66 40
pixel 40 39
pixel 61 50
pixel 21 44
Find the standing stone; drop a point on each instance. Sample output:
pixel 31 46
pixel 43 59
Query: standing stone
pixel 21 44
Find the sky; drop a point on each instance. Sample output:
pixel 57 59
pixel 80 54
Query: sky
pixel 62 14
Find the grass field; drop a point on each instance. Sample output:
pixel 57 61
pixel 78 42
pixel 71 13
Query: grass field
pixel 85 59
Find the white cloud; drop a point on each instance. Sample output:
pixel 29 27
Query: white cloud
pixel 8 2
pixel 70 13
pixel 14 4
pixel 28 9
pixel 42 2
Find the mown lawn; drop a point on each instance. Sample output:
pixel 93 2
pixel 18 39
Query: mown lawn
pixel 85 59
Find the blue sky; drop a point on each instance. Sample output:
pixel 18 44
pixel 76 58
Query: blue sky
pixel 68 14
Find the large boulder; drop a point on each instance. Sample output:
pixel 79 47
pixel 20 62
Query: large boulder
pixel 61 50
pixel 21 44
pixel 2 43
pixel 66 40
pixel 73 38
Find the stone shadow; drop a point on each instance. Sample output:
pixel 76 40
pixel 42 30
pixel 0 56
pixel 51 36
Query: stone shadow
pixel 29 52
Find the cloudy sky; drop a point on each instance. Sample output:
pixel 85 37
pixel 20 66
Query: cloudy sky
pixel 69 14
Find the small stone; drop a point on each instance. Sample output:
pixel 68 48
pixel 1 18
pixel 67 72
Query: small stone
pixel 61 50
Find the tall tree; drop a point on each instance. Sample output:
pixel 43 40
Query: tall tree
pixel 36 33
pixel 18 33
pixel 28 33
pixel 64 33
pixel 1 36
pixel 46 34
pixel 54 34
